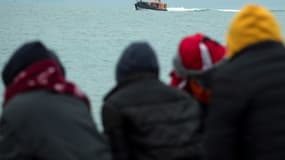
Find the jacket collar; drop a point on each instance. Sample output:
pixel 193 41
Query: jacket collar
pixel 130 80
pixel 258 46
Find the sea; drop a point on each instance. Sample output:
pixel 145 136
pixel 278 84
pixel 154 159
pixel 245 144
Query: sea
pixel 90 39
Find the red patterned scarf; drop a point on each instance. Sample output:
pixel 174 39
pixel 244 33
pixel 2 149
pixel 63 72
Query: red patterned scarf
pixel 46 75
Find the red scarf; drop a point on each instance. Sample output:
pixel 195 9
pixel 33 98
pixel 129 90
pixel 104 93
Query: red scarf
pixel 191 86
pixel 46 75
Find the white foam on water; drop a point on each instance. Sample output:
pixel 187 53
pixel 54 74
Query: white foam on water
pixel 227 10
pixel 182 9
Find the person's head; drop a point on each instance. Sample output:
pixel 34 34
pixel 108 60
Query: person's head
pixel 197 55
pixel 138 57
pixel 35 67
pixel 253 24
pixel 25 56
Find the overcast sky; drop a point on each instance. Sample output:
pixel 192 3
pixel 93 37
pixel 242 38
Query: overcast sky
pixel 226 4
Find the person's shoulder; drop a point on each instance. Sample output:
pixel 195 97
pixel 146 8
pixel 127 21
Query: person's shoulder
pixel 175 93
pixel 41 102
pixel 23 108
pixel 40 97
pixel 231 67
pixel 251 57
pixel 25 101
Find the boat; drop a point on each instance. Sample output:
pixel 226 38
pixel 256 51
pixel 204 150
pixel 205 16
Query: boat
pixel 152 5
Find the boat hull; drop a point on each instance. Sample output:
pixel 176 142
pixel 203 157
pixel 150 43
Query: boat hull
pixel 145 5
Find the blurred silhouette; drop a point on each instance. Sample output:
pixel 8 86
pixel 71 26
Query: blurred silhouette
pixel 193 65
pixel 44 115
pixel 246 114
pixel 146 119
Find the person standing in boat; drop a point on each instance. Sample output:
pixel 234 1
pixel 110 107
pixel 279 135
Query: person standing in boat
pixel 146 119
pixel 44 115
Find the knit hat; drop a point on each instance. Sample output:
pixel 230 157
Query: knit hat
pixel 196 54
pixel 251 25
pixel 25 56
pixel 136 58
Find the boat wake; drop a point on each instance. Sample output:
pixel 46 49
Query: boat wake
pixel 226 10
pixel 182 9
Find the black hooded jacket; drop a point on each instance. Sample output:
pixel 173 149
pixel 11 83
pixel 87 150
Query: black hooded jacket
pixel 146 119
pixel 247 115
pixel 39 124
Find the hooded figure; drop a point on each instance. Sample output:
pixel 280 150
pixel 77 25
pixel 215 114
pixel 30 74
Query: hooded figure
pixel 44 115
pixel 193 65
pixel 246 113
pixel 146 119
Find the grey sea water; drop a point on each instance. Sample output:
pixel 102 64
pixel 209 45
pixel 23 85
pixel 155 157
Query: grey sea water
pixel 89 39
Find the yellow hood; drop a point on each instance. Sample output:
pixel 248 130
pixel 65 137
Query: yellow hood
pixel 251 25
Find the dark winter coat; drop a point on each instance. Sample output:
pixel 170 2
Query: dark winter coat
pixel 247 114
pixel 146 119
pixel 40 125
